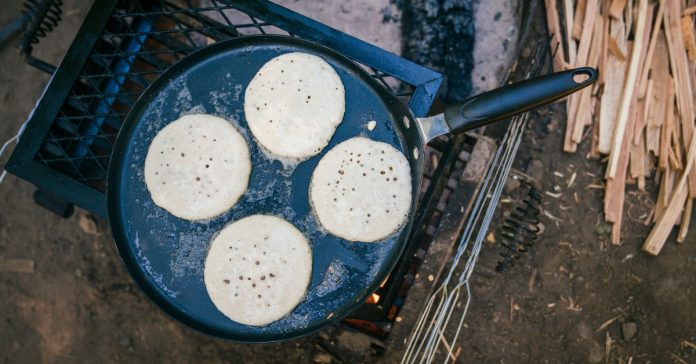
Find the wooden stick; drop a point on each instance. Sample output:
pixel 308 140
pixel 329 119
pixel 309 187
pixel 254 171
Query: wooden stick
pixel 677 148
pixel 658 235
pixel 649 162
pixel 660 77
pixel 629 87
pixel 687 27
pixel 689 11
pixel 646 42
pixel 554 28
pixel 686 218
pixel 652 139
pixel 682 78
pixel 616 233
pixel 615 74
pixel 617 8
pixel 615 49
pixel 668 124
pixel 614 194
pixel 636 159
pixel 651 48
pixel 580 7
pixel 674 162
pixel 573 124
pixel 628 17
pixel 568 9
pixel 605 40
pixel 670 177
pixel 16 265
pixel 594 148
pixel 638 105
pixel 642 121
pixel 660 202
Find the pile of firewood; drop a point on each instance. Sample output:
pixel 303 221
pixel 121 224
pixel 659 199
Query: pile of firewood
pixel 641 112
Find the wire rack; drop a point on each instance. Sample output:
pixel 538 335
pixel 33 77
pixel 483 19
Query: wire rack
pixel 124 45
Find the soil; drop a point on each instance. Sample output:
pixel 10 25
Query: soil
pixel 79 304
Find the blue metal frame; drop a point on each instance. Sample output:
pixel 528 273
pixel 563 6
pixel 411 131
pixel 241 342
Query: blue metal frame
pixel 24 164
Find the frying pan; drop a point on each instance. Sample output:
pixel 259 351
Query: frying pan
pixel 165 254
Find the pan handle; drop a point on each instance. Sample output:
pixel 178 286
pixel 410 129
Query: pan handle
pixel 516 98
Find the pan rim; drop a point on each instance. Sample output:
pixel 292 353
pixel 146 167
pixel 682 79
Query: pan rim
pixel 117 169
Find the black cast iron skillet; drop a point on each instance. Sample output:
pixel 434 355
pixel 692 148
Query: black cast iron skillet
pixel 165 254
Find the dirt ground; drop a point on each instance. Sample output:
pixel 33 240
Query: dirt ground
pixel 80 305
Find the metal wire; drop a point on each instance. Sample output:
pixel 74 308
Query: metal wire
pixel 139 42
pixel 434 321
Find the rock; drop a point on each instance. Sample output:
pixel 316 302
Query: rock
pixel 584 331
pixel 602 229
pixel 535 169
pixel 629 330
pixel 596 353
pixel 322 358
pixel 88 224
pixel 354 341
pixel 511 184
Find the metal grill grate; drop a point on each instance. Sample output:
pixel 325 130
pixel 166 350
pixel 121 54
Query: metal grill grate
pixel 131 42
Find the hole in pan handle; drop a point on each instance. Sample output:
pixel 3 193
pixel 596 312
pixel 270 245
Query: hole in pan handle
pixel 516 98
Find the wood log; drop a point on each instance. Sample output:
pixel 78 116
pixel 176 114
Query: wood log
pixel 579 13
pixel 658 235
pixel 670 177
pixel 682 76
pixel 615 191
pixel 689 37
pixel 677 146
pixel 570 43
pixel 652 140
pixel 554 28
pixel 645 45
pixel 637 159
pixel 615 74
pixel 616 233
pixel 660 202
pixel 629 89
pixel 594 148
pixel 686 219
pixel 617 8
pixel 660 77
pixel 605 40
pixel 689 11
pixel 614 194
pixel 628 17
pixel 615 49
pixel 583 55
pixel 651 48
pixel 641 123
pixel 668 124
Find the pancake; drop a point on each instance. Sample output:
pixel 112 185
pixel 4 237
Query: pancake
pixel 361 190
pixel 258 269
pixel 197 167
pixel 294 104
